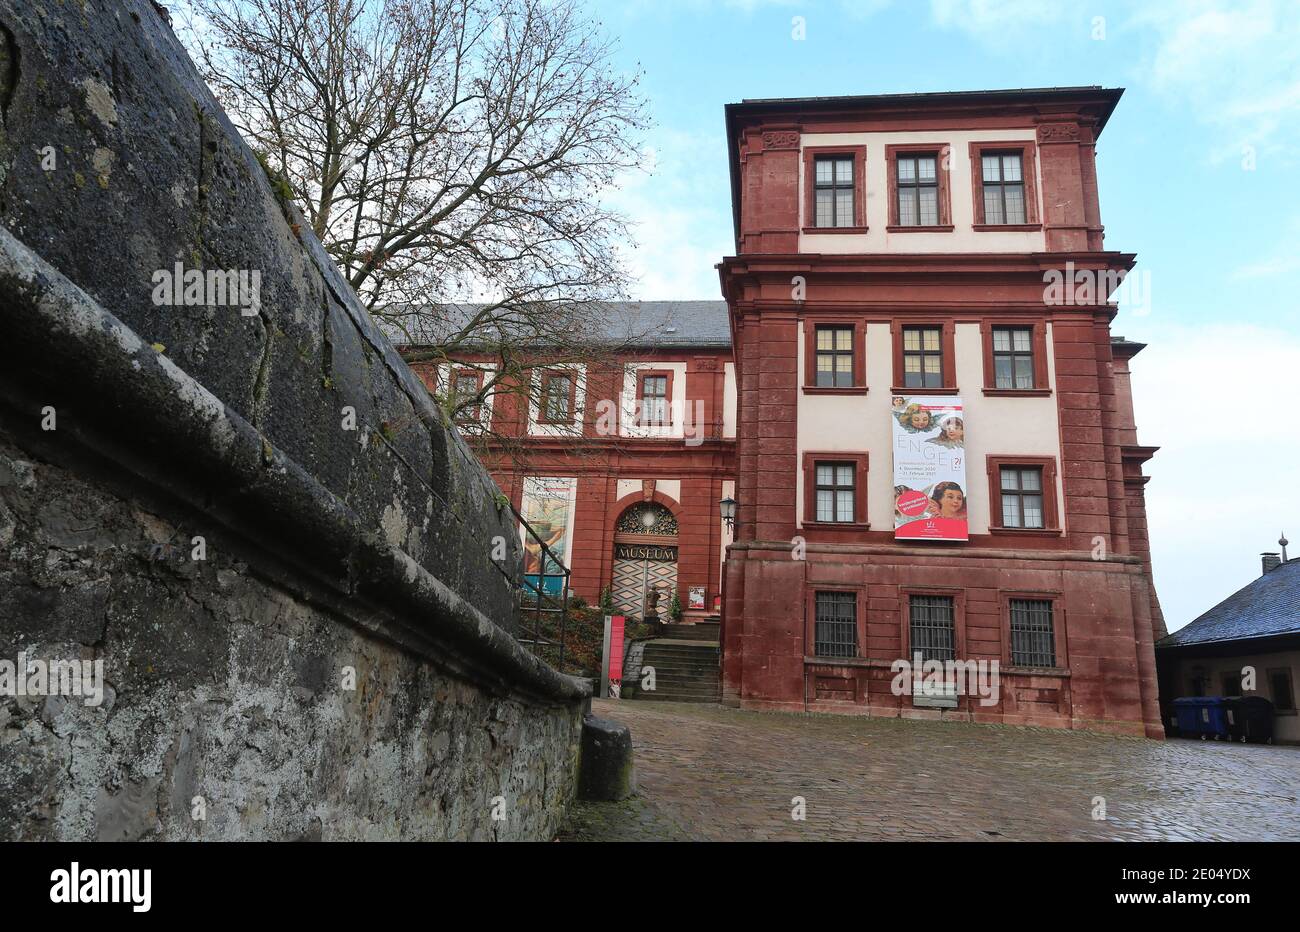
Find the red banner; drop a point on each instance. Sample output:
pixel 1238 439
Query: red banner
pixel 615 672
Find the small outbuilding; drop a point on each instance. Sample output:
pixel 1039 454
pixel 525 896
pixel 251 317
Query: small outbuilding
pixel 1250 639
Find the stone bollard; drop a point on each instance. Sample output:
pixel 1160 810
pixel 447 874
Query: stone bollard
pixel 607 773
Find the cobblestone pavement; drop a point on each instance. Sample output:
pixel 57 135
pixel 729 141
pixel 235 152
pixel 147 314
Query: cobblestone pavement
pixel 711 773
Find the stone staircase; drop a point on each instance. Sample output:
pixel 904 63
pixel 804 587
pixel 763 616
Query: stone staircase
pixel 685 662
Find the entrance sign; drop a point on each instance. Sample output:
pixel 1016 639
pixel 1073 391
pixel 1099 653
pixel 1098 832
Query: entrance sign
pixel 929 434
pixel 611 658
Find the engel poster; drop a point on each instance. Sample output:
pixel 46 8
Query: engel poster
pixel 929 468
pixel 548 507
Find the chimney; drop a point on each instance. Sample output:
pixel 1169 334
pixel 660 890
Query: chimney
pixel 1271 562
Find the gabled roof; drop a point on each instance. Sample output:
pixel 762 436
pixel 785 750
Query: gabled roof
pixel 635 324
pixel 1269 606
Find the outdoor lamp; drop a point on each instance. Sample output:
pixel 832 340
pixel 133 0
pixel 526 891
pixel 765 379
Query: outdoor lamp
pixel 727 508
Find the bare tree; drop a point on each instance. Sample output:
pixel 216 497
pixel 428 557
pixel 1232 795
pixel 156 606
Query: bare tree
pixel 451 155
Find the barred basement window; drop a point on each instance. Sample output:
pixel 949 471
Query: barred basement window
pixel 835 633
pixel 934 634
pixel 1033 637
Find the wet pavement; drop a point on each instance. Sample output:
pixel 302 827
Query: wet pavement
pixel 706 772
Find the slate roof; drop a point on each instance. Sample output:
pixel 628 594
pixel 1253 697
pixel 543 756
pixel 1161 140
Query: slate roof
pixel 1268 606
pixel 631 323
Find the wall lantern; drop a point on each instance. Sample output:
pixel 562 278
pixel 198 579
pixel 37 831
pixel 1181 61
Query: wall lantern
pixel 727 508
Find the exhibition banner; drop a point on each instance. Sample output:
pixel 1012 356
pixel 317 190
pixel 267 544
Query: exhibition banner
pixel 929 468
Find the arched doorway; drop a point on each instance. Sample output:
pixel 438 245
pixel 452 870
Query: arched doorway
pixel 645 559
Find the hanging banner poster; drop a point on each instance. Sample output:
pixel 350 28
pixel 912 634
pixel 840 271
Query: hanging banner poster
pixel 548 508
pixel 929 468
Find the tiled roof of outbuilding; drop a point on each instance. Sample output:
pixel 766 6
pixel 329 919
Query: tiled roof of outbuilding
pixel 1268 606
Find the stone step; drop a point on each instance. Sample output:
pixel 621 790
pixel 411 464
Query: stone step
pixel 703 631
pixel 682 644
pixel 686 689
pixel 683 653
pixel 663 696
pixel 662 676
pixel 664 669
pixel 677 650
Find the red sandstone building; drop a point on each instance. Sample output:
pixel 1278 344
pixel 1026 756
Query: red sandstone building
pixel 621 469
pixel 894 255
pixel 931 442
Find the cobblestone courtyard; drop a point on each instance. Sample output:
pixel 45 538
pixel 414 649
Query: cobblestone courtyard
pixel 711 773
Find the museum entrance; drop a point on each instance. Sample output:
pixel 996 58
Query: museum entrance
pixel 645 561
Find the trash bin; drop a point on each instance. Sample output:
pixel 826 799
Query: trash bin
pixel 1213 717
pixel 1188 714
pixel 1249 718
pixel 1201 717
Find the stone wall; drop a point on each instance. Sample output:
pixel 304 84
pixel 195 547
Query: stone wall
pixel 258 521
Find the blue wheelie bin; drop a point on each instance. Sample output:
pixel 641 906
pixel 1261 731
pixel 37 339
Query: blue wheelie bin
pixel 1212 712
pixel 1188 715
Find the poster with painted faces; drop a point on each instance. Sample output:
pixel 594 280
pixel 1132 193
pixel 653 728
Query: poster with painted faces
pixel 929 468
pixel 548 508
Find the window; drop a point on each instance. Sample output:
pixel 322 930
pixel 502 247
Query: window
pixel 918 193
pixel 1013 357
pixel 835 631
pixel 834 357
pixel 933 632
pixel 922 357
pixel 833 191
pixel 465 385
pixel 1004 188
pixel 835 491
pixel 654 399
pixel 558 391
pixel 1279 682
pixel 918 190
pixel 1022 496
pixel 1004 185
pixel 1033 633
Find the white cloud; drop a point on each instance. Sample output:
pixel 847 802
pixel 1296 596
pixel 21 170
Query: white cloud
pixel 1282 259
pixel 682 226
pixel 1235 64
pixel 998 21
pixel 1219 402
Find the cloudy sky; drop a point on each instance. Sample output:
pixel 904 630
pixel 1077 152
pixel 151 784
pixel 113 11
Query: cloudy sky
pixel 1198 172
